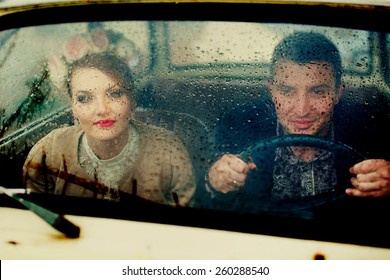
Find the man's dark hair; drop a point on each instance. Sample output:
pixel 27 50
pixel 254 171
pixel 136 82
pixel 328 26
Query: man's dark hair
pixel 306 47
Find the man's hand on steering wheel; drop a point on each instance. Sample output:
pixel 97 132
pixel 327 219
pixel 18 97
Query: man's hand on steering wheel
pixel 372 178
pixel 229 173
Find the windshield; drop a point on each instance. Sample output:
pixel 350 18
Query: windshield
pixel 191 48
pixel 222 116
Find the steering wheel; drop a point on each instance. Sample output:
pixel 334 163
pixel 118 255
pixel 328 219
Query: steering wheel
pixel 261 156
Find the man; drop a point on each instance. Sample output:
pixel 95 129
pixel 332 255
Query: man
pixel 305 88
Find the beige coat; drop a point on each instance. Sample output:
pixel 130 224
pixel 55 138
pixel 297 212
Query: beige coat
pixel 162 171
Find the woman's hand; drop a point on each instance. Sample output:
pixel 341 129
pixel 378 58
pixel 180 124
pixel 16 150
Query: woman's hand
pixel 372 178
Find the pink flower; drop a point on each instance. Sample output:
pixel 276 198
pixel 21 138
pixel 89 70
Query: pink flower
pixel 100 39
pixel 76 47
pixel 96 40
pixel 79 45
pixel 57 70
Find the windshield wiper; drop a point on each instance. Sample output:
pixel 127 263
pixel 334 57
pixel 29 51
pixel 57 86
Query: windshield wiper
pixel 58 221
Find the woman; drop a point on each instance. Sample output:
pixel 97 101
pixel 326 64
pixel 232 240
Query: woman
pixel 106 154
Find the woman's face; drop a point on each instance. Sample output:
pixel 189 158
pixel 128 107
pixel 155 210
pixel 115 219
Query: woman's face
pixel 304 96
pixel 100 103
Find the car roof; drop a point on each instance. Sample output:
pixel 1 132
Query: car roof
pixel 20 3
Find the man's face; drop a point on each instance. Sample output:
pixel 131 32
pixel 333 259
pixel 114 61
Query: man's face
pixel 304 96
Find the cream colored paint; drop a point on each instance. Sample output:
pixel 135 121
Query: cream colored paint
pixel 24 235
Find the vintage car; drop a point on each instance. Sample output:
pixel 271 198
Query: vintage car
pixel 202 71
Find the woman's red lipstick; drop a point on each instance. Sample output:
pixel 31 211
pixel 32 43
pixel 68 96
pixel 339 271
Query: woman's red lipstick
pixel 105 123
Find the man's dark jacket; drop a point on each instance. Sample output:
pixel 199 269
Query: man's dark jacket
pixel 360 121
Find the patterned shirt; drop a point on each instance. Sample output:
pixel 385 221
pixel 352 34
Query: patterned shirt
pixel 295 178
